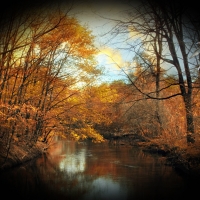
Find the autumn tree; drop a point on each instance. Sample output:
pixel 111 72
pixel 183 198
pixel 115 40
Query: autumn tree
pixel 165 32
pixel 93 112
pixel 45 55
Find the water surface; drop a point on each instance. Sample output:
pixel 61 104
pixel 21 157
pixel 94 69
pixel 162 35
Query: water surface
pixel 71 170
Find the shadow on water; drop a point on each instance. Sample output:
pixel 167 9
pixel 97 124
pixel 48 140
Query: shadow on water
pixel 71 170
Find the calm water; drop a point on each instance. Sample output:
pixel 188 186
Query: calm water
pixel 87 171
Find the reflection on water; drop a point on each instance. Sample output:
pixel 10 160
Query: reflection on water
pixel 73 163
pixel 106 188
pixel 85 171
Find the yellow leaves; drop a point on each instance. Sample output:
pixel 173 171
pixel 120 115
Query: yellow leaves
pixel 88 67
pixel 77 39
pixel 40 139
pixel 94 135
pixel 11 119
pixel 74 135
pixel 86 132
pixel 2 114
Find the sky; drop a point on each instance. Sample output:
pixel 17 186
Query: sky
pixel 95 15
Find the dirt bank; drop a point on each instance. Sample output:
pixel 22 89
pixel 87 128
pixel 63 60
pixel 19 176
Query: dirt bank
pixel 19 153
pixel 185 161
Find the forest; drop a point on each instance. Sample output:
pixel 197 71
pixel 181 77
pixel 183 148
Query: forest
pixel 49 78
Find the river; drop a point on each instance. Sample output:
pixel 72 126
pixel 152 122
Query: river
pixel 87 171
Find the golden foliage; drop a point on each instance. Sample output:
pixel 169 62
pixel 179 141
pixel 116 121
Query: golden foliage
pixel 87 133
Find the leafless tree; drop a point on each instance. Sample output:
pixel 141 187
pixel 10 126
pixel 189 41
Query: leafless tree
pixel 167 32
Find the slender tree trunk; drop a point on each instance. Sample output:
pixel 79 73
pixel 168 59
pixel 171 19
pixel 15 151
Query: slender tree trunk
pixel 158 111
pixel 158 50
pixel 189 119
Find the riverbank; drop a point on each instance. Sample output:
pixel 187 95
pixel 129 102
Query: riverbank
pixel 19 153
pixel 184 159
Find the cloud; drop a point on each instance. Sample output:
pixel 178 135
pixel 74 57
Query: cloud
pixel 110 57
pixel 134 33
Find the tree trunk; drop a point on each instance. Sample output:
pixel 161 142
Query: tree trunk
pixel 189 119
